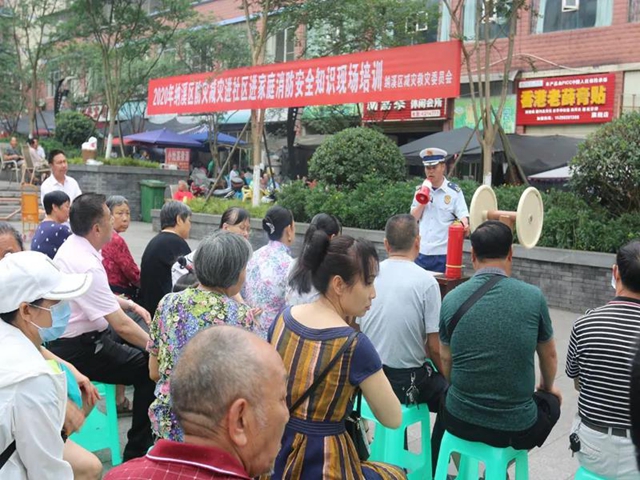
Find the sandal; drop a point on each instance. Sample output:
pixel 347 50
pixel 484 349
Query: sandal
pixel 124 408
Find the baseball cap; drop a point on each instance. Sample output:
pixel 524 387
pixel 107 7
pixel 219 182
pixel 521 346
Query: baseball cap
pixel 30 276
pixel 432 156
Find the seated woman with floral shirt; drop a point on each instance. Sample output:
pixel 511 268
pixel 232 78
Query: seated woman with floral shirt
pixel 220 266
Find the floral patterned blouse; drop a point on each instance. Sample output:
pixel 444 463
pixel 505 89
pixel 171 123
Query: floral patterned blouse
pixel 178 318
pixel 266 282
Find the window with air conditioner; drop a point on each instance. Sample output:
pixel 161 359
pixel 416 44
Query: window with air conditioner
pixel 494 23
pixel 570 5
pixel 554 15
pixel 418 23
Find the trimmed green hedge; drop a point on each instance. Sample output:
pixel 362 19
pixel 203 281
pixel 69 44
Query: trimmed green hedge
pixel 217 206
pixel 570 222
pixel 118 162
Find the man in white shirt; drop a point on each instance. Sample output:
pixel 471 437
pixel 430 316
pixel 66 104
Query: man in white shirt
pixel 445 205
pixel 37 153
pixel 59 180
pixel 403 323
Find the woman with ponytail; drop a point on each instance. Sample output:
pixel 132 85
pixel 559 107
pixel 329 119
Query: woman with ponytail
pixel 299 287
pixel 315 444
pixel 268 268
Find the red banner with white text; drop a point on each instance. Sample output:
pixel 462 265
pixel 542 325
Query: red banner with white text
pixel 421 71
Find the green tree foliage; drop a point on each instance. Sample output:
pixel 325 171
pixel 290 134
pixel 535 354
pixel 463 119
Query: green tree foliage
pixel 31 25
pixel 345 158
pixel 73 128
pixel 131 36
pixel 11 101
pixel 606 170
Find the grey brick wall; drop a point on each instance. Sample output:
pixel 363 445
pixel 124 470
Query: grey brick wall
pixel 122 181
pixel 570 280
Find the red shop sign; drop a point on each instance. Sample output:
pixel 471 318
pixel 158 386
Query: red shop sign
pixel 401 110
pixel 177 156
pixel 428 70
pixel 561 100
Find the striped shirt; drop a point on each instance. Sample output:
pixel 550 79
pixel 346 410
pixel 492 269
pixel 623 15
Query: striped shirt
pixel 601 349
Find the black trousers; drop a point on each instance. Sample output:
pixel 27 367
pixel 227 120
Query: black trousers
pixel 102 358
pixel 535 436
pixel 431 386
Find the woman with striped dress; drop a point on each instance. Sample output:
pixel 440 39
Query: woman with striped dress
pixel 315 444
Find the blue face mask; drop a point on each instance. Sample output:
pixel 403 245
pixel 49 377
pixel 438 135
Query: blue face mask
pixel 60 314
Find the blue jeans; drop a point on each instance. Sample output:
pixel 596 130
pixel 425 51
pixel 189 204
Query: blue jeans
pixel 433 263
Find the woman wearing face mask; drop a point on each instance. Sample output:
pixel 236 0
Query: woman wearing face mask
pixel 34 308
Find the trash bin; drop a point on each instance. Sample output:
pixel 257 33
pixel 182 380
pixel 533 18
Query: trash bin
pixel 151 196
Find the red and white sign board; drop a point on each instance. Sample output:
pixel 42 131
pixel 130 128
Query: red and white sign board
pixel 562 100
pixel 401 110
pixel 178 157
pixel 421 71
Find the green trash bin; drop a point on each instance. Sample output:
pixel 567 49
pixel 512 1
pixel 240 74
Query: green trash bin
pixel 151 196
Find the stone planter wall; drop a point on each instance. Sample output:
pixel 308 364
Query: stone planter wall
pixel 123 181
pixel 571 280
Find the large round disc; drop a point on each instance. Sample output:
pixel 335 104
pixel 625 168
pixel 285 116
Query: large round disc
pixel 483 201
pixel 530 217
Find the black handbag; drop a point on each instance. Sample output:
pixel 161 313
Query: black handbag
pixel 356 429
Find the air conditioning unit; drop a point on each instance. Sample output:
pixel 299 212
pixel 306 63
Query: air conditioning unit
pixel 570 5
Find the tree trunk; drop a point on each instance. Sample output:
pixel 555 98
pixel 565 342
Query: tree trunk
pixel 257 124
pixel 112 123
pixel 487 159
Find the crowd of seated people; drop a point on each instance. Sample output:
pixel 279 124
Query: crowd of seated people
pixel 223 347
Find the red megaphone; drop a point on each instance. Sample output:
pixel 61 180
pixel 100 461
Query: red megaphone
pixel 424 193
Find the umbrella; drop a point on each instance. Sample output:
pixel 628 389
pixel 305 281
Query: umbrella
pixel 540 154
pixel 452 142
pixel 201 134
pixel 557 174
pixel 162 138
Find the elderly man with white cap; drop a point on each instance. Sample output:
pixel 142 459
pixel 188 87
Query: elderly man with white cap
pixel 34 308
pixel 446 204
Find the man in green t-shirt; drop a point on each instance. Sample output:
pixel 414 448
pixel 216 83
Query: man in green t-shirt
pixel 489 356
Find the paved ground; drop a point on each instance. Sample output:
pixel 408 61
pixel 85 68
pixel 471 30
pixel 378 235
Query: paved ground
pixel 551 462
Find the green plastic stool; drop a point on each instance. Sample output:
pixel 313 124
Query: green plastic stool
pixel 388 444
pixel 584 474
pixel 100 430
pixel 496 460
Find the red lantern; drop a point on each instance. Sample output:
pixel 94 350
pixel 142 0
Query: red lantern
pixel 454 251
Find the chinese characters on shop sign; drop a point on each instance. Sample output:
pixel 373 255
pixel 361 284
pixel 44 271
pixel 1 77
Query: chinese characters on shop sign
pixel 416 109
pixel 576 99
pixel 178 157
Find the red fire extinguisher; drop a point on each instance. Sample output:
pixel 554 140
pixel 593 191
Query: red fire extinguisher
pixel 454 250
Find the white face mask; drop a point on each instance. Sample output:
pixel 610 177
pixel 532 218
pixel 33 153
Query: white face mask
pixel 613 281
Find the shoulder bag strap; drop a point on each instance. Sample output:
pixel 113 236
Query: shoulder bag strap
pixel 324 373
pixel 4 456
pixel 477 295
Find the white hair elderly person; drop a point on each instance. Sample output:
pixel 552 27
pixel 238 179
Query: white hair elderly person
pixel 34 308
pixel 122 270
pixel 220 265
